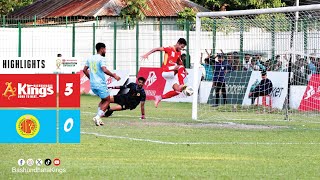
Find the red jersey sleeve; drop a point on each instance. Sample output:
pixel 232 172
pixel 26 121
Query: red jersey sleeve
pixel 167 50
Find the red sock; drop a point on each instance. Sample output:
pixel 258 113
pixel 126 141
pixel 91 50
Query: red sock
pixel 169 94
pixel 181 75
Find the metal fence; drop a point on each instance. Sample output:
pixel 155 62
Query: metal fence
pixel 76 37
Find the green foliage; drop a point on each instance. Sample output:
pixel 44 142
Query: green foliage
pixel 188 14
pixel 7 6
pixel 276 22
pixel 132 13
pixel 240 4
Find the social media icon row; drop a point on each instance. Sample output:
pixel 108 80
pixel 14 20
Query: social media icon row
pixel 38 162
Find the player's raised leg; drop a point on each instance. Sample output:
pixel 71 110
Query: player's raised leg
pixel 174 81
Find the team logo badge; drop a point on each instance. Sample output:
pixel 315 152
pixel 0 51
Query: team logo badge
pixel 10 91
pixel 27 126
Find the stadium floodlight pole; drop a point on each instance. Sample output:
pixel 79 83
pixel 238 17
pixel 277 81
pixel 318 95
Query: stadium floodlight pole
pixel 196 70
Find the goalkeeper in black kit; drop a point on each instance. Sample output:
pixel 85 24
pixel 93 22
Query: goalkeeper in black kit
pixel 131 100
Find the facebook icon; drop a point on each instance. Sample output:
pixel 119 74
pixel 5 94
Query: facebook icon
pixel 21 162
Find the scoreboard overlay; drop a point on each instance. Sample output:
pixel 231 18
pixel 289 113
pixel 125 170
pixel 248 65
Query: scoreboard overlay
pixel 40 108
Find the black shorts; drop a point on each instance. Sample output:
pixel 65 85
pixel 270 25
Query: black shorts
pixel 124 102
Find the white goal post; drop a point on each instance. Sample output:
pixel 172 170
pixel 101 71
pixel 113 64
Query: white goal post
pixel 222 15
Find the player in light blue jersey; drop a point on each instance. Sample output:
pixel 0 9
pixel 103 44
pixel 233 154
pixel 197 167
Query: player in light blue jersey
pixel 98 68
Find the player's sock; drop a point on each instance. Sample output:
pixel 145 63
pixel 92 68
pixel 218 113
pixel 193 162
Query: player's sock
pixel 100 113
pixel 181 74
pixel 169 94
pixel 108 113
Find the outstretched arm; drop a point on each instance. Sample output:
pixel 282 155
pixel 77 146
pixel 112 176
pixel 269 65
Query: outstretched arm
pixel 142 110
pixel 106 71
pixel 85 71
pixel 152 51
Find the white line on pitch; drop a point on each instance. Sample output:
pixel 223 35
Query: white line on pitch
pixel 199 143
pixel 208 121
pixel 122 115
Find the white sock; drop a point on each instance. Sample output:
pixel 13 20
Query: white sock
pixel 100 113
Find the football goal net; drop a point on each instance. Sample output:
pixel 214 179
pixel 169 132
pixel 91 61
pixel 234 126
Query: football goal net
pixel 263 64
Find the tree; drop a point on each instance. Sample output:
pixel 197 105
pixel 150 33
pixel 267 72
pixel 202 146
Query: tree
pixel 7 6
pixel 132 12
pixel 188 14
pixel 240 4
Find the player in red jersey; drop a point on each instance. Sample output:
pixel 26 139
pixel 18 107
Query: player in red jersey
pixel 173 70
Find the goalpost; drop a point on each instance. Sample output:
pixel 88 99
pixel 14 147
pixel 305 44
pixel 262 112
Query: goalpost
pixel 252 41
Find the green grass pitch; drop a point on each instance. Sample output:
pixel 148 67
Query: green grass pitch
pixel 170 145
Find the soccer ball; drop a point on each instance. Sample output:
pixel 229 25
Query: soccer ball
pixel 188 91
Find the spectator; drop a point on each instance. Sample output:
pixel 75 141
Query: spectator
pixel 230 59
pixel 247 62
pixel 318 65
pixel 277 66
pixel 253 66
pixel 260 62
pixel 262 89
pixel 267 65
pixel 236 62
pixel 299 75
pixel 208 69
pixel 312 64
pixel 220 70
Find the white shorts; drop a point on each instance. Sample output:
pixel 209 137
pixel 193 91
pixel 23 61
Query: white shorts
pixel 171 79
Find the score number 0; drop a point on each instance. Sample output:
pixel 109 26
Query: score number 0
pixel 68 91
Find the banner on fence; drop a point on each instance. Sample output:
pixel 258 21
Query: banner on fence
pixel 155 83
pixel 236 85
pixel 311 97
pixel 280 87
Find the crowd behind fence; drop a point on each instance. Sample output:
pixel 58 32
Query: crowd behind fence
pixel 302 66
pixel 242 48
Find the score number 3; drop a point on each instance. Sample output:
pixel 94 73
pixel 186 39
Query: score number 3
pixel 69 89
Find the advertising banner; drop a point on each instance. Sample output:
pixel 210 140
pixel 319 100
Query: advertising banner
pixel 280 87
pixel 311 97
pixel 236 86
pixel 155 82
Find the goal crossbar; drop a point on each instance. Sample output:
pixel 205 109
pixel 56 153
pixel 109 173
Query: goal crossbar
pixel 259 11
pixel 233 13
